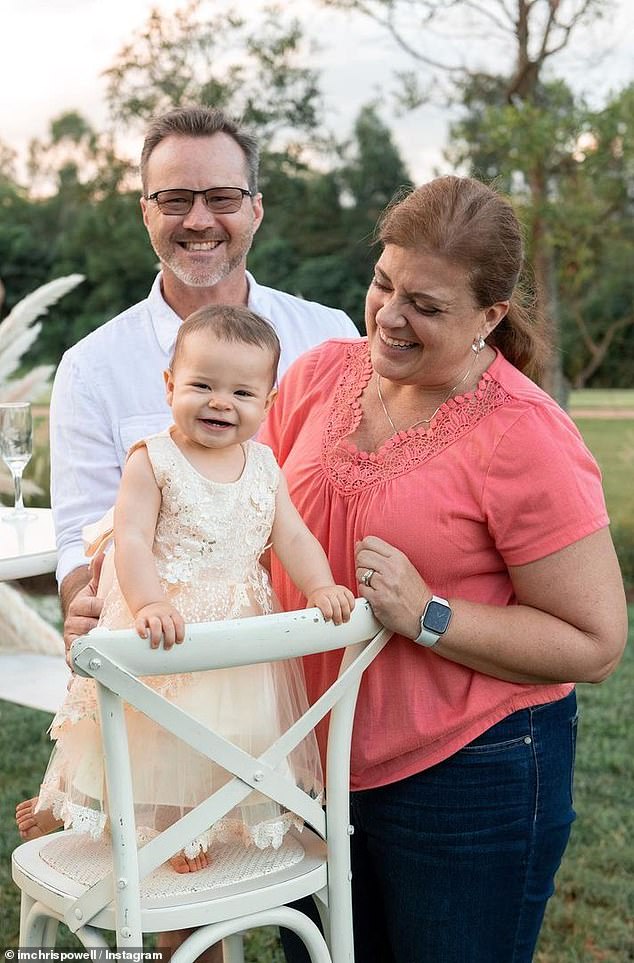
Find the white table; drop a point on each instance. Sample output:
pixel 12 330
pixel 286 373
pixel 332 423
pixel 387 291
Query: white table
pixel 27 548
pixel 27 545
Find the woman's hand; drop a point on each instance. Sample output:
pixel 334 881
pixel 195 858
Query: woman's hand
pixel 335 601
pixel 392 586
pixel 158 619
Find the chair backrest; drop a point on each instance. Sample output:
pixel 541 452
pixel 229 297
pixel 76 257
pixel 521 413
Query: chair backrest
pixel 115 659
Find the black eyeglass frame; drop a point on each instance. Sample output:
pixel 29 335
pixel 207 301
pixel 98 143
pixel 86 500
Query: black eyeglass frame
pixel 189 190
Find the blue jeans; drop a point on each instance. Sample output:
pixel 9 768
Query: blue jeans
pixel 456 864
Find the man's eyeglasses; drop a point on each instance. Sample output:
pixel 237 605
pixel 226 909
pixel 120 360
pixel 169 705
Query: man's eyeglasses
pixel 219 200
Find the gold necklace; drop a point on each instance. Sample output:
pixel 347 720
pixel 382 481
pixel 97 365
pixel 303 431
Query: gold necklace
pixel 421 421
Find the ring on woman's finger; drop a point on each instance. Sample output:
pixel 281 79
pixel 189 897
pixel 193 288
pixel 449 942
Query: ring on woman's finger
pixel 366 578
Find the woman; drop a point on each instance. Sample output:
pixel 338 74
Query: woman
pixel 459 499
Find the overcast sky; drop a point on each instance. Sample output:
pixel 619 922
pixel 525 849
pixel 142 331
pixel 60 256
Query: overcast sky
pixel 53 51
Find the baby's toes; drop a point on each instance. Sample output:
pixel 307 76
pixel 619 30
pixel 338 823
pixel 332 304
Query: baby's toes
pixel 180 863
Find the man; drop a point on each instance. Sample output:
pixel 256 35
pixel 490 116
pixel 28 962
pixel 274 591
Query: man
pixel 201 208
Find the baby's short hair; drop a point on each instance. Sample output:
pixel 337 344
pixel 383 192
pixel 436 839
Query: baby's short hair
pixel 230 322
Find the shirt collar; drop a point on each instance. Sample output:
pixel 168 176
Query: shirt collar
pixel 165 320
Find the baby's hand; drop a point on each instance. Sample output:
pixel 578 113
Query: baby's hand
pixel 335 601
pixel 160 619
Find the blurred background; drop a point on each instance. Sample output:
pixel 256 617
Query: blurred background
pixel 353 100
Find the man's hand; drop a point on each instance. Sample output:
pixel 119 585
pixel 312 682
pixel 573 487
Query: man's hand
pixel 80 604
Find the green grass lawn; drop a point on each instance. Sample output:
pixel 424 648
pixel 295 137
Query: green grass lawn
pixel 612 444
pixel 602 398
pixel 589 919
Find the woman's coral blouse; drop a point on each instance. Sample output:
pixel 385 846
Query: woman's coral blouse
pixel 502 478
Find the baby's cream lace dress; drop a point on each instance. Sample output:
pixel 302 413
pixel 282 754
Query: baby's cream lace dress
pixel 209 539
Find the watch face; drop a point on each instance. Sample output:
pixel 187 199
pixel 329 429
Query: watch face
pixel 437 617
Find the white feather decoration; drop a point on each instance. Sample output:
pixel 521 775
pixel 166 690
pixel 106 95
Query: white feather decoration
pixel 23 630
pixel 33 305
pixel 10 355
pixel 30 387
pixel 18 331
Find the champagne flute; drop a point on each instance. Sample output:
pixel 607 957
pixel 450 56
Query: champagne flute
pixel 16 434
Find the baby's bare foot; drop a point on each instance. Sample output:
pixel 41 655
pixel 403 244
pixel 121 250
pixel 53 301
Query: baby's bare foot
pixel 182 864
pixel 32 825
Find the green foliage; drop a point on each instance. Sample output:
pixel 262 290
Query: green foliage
pixel 594 243
pixel 520 127
pixel 581 215
pixel 316 239
pixel 87 222
pixel 100 237
pixel 252 67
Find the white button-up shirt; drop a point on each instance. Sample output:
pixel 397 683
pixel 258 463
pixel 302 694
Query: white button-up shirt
pixel 109 393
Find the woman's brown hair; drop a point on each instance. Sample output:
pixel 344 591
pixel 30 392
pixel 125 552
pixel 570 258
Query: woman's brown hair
pixel 470 224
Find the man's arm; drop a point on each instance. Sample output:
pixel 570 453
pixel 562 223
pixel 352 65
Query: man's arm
pixel 85 476
pixel 85 465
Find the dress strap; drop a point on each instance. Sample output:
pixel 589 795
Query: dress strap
pixel 97 535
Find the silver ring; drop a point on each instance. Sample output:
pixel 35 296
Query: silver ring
pixel 366 578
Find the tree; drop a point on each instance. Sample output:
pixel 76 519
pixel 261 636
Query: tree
pixel 316 237
pixel 255 71
pixel 537 30
pixel 586 212
pixel 594 244
pixel 85 219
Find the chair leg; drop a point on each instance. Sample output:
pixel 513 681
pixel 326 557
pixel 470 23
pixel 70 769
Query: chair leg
pixel 50 932
pixel 34 923
pixel 206 936
pixel 233 949
pixel 26 905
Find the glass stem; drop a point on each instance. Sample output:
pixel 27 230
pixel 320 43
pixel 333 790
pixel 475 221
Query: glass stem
pixel 17 483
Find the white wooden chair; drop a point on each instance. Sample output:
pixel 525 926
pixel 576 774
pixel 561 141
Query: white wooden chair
pixel 119 887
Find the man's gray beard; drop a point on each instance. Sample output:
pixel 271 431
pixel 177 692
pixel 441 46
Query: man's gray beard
pixel 198 279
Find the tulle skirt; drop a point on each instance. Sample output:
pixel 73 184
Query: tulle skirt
pixel 248 705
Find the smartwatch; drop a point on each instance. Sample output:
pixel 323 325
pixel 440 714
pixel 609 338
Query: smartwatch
pixel 434 621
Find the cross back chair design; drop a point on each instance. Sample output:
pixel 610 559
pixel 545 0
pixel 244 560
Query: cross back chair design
pixel 127 890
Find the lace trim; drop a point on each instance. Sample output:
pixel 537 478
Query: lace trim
pixel 92 822
pixel 352 470
pixel 80 819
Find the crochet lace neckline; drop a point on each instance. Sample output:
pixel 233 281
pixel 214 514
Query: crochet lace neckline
pixel 351 468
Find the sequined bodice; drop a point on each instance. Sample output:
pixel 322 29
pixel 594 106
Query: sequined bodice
pixel 209 537
pixel 208 529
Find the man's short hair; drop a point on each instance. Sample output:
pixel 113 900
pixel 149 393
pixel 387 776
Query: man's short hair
pixel 229 322
pixel 201 122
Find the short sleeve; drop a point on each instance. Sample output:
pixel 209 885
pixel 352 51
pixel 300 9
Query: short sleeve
pixel 543 488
